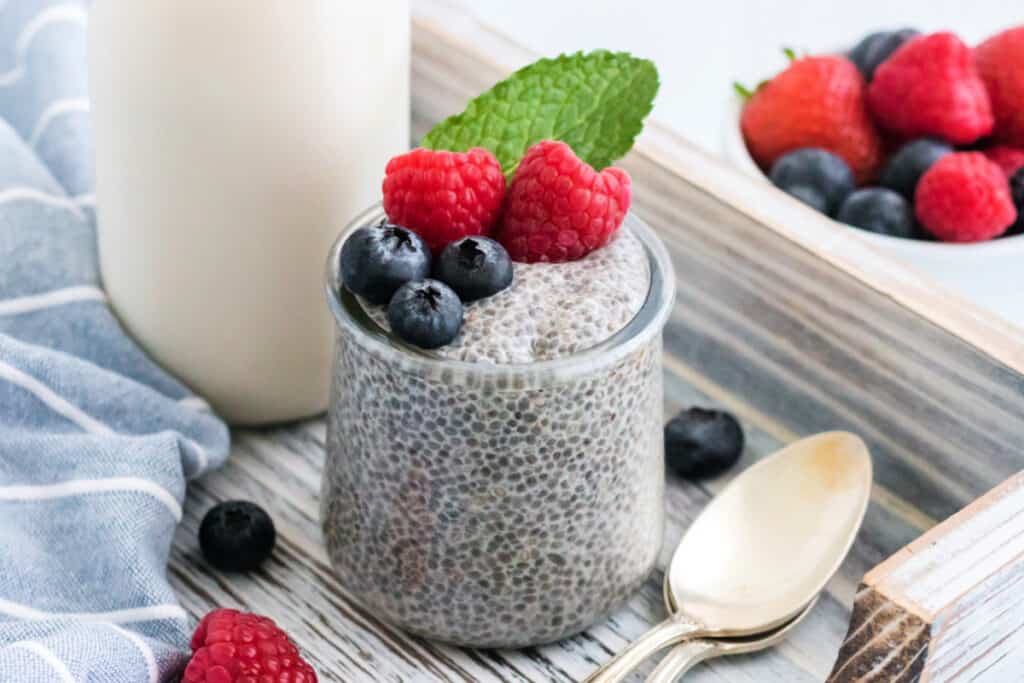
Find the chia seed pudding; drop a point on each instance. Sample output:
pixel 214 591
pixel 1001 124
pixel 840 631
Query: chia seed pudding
pixel 505 490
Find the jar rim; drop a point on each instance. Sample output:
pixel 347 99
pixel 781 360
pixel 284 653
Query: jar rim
pixel 350 317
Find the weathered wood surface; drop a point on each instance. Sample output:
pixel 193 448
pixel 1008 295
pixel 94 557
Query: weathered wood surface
pixel 948 607
pixel 763 327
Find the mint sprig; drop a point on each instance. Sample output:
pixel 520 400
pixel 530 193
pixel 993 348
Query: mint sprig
pixel 594 102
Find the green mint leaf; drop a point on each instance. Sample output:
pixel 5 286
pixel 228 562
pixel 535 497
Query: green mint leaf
pixel 594 102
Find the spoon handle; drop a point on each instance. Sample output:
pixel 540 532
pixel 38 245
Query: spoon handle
pixel 681 659
pixel 675 629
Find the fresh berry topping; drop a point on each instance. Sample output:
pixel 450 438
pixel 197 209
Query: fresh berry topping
pixel 1010 159
pixel 815 177
pixel 1000 61
pixel 234 647
pixel 816 102
pixel 1017 192
pixel 965 198
pixel 877 209
pixel 236 536
pixel 378 259
pixel 475 267
pixel 702 443
pixel 426 313
pixel 559 208
pixel 929 87
pixel 444 196
pixel 878 47
pixel 909 163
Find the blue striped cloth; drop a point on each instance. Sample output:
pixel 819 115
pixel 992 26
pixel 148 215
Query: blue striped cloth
pixel 96 442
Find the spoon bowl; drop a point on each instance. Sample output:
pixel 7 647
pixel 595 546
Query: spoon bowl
pixel 764 548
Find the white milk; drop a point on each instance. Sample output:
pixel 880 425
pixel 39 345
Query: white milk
pixel 234 139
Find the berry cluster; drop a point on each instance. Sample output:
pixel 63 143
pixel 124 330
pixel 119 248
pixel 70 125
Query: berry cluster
pixel 557 208
pixel 931 130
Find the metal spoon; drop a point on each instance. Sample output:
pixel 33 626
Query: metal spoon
pixel 690 653
pixel 763 548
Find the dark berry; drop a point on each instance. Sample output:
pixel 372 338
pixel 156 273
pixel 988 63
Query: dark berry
pixel 237 536
pixel 814 176
pixel 426 313
pixel 877 209
pixel 907 165
pixel 378 259
pixel 877 47
pixel 1017 190
pixel 475 267
pixel 702 443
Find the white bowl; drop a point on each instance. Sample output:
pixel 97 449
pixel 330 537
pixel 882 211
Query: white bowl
pixel 988 273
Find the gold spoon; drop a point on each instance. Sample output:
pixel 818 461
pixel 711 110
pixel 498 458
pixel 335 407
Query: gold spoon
pixel 690 653
pixel 763 548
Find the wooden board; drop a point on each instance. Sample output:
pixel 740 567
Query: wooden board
pixel 764 326
pixel 947 608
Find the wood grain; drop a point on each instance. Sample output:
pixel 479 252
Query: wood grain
pixel 946 608
pixel 764 327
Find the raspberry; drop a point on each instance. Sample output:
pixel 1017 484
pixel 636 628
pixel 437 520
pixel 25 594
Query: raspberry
pixel 929 87
pixel 444 196
pixel 235 647
pixel 1000 62
pixel 1010 159
pixel 965 197
pixel 559 208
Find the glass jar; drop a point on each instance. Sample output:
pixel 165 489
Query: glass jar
pixel 495 505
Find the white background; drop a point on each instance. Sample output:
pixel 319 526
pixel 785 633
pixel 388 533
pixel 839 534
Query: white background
pixel 702 47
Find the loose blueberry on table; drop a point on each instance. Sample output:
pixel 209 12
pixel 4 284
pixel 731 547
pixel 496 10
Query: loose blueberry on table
pixel 702 443
pixel 237 536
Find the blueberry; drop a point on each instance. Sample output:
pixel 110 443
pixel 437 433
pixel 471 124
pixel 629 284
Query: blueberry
pixel 878 47
pixel 378 259
pixel 426 313
pixel 702 443
pixel 877 209
pixel 910 162
pixel 814 176
pixel 237 536
pixel 1017 189
pixel 475 267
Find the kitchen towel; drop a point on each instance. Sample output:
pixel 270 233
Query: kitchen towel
pixel 96 442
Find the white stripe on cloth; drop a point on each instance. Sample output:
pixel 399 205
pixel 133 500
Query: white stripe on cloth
pixel 71 105
pixel 44 653
pixel 145 650
pixel 120 616
pixel 58 297
pixel 55 402
pixel 22 194
pixel 84 487
pixel 52 15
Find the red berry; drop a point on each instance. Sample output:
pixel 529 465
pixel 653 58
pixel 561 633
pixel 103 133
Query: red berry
pixel 1000 62
pixel 816 102
pixel 234 647
pixel 929 87
pixel 444 196
pixel 1010 159
pixel 964 197
pixel 559 208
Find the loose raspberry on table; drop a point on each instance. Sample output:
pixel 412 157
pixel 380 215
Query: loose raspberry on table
pixel 235 647
pixel 964 197
pixel 559 208
pixel 444 196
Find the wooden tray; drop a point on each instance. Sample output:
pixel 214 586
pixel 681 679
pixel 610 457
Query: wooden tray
pixel 782 317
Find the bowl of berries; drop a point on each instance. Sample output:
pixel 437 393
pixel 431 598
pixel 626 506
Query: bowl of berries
pixel 916 140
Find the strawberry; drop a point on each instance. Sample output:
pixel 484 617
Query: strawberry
pixel 929 87
pixel 1000 62
pixel 815 102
